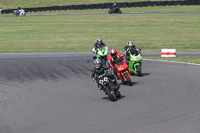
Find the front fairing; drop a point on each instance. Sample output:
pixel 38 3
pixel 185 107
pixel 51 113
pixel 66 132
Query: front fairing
pixel 102 51
pixel 103 80
pixel 134 61
pixel 122 68
pixel 120 64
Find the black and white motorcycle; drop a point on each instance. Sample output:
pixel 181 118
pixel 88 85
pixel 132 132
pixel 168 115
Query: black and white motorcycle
pixel 20 12
pixel 110 87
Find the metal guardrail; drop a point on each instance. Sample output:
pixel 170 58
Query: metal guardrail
pixel 107 5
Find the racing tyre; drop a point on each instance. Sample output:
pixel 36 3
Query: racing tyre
pixel 118 94
pixel 128 79
pixel 104 62
pixel 110 93
pixel 139 71
pixel 110 12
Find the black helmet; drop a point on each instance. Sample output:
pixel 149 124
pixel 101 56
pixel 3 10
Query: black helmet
pixel 98 63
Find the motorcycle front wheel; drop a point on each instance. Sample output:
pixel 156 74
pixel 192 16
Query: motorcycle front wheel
pixel 111 94
pixel 128 79
pixel 118 94
pixel 139 71
pixel 104 61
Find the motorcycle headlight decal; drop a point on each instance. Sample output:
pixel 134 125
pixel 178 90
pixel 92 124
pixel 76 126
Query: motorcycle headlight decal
pixel 101 81
pixel 105 79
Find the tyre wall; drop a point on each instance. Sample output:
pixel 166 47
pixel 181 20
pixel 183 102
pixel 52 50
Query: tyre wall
pixel 107 5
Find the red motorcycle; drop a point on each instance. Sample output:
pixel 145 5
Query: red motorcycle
pixel 123 71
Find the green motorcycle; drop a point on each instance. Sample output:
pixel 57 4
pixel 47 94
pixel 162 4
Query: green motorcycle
pixel 102 52
pixel 135 62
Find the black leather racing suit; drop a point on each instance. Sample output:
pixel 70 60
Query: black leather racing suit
pixel 96 72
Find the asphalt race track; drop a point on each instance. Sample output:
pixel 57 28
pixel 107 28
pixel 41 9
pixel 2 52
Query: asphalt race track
pixel 101 13
pixel 54 94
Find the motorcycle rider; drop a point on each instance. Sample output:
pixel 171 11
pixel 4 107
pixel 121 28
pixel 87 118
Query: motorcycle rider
pixel 18 10
pixel 114 7
pixel 130 47
pixel 96 46
pixel 98 70
pixel 112 57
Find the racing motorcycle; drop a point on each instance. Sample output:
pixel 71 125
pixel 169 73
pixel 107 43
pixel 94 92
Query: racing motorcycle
pixel 123 71
pixel 20 12
pixel 109 86
pixel 135 63
pixel 114 10
pixel 102 52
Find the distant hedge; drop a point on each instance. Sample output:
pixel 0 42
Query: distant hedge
pixel 107 5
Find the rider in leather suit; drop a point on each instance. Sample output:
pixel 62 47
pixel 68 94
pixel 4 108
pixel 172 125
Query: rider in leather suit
pixel 98 70
pixel 96 46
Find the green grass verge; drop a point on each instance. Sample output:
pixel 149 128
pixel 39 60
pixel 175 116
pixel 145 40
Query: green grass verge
pixel 195 59
pixel 78 33
pixel 11 4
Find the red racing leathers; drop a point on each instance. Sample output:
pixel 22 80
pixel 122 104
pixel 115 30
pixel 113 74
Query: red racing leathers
pixel 111 60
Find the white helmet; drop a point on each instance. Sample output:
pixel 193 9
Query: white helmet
pixel 130 44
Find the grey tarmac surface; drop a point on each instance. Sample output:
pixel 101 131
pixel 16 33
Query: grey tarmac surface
pixel 164 13
pixel 100 13
pixel 53 93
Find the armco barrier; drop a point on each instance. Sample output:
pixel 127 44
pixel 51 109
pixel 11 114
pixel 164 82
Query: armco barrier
pixel 107 5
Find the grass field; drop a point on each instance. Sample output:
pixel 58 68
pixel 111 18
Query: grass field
pixel 11 4
pixel 70 33
pixel 64 33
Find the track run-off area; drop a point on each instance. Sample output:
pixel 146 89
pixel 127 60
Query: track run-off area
pixel 53 93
